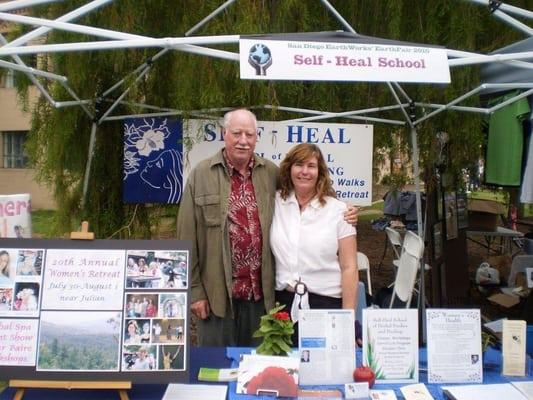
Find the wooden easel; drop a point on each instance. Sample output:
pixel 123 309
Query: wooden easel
pixel 84 234
pixel 22 385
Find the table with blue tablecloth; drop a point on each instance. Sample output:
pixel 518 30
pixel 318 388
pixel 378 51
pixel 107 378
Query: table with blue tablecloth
pixel 228 357
pixel 491 374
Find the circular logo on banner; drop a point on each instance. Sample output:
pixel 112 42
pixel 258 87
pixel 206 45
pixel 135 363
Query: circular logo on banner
pixel 260 58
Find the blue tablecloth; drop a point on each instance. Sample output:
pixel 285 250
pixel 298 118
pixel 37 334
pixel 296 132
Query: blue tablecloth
pixel 224 358
pixel 491 374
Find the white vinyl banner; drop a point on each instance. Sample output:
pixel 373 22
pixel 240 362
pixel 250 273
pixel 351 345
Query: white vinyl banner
pixel 15 216
pixel 347 149
pixel 333 61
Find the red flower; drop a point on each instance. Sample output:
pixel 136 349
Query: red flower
pixel 282 316
pixel 273 379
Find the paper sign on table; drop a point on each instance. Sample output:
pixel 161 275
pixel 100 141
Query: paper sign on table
pixel 327 346
pixel 514 348
pixel 454 346
pixel 390 340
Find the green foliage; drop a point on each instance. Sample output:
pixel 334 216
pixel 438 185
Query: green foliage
pixel 487 340
pixel 396 180
pixel 68 356
pixel 59 138
pixel 276 329
pixel 42 223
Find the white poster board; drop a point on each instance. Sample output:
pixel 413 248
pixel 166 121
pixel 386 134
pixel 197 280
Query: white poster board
pixel 347 149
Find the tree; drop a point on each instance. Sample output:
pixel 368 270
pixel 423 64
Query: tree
pixel 59 138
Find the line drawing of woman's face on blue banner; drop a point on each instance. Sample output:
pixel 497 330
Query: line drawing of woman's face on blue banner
pixel 153 160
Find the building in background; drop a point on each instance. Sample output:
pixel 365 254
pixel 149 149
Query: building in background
pixel 15 176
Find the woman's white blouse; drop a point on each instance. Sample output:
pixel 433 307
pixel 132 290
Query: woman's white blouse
pixel 305 245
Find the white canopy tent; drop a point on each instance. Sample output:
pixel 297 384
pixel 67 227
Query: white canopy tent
pixel 404 105
pixel 407 109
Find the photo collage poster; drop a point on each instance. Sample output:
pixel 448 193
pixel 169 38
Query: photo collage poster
pixel 20 293
pixel 155 323
pixel 88 310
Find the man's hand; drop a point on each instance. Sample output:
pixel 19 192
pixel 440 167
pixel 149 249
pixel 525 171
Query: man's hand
pixel 351 215
pixel 200 308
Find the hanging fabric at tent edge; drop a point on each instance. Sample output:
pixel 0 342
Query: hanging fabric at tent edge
pixel 503 162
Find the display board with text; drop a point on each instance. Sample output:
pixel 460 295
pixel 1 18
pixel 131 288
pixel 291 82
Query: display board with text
pixel 94 310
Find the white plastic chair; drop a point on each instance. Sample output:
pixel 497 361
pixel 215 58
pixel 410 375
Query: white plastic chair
pixel 408 266
pixel 519 265
pixel 415 246
pixel 404 284
pixel 395 239
pixel 364 265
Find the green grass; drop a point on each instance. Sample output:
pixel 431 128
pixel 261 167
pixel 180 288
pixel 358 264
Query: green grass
pixel 371 212
pixel 42 222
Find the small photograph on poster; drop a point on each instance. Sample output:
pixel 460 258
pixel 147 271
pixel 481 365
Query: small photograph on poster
pixel 171 357
pixel 79 341
pixel 18 345
pixel 175 331
pixel 8 259
pixel 26 298
pixel 172 305
pixel 160 269
pixel 139 358
pixel 6 299
pixel 168 331
pixel 141 305
pixel 450 209
pixel 137 331
pixel 29 262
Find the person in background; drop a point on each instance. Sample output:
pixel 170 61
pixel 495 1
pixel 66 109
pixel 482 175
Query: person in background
pixel 315 249
pixel 168 358
pixel 132 333
pixel 142 361
pixel 226 211
pixel 145 335
pixel 18 231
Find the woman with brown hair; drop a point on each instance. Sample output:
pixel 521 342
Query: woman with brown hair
pixel 315 249
pixel 5 275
